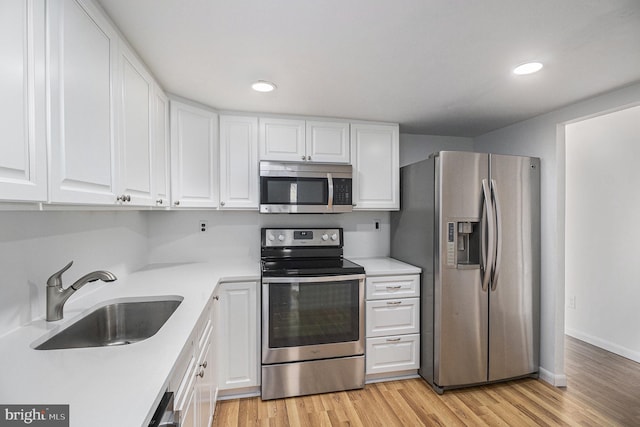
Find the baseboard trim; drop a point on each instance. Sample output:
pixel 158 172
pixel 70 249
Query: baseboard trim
pixel 555 380
pixel 239 393
pixel 604 344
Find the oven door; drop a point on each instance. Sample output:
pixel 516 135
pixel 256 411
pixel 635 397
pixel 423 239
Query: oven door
pixel 310 318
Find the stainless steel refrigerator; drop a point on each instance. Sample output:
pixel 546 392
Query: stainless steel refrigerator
pixel 471 221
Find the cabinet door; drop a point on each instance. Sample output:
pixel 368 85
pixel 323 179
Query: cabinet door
pixel 194 156
pixel 327 142
pixel 376 167
pixel 23 168
pixel 204 386
pixel 189 412
pixel 282 139
pixel 238 162
pixel 238 335
pixel 82 58
pixel 160 140
pixel 134 166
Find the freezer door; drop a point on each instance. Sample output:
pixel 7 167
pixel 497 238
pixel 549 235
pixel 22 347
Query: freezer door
pixel 515 291
pixel 460 304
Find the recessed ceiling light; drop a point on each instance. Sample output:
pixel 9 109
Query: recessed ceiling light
pixel 528 68
pixel 263 86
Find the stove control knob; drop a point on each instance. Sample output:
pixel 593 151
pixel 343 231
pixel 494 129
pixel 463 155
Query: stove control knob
pixel 281 237
pixel 325 237
pixel 272 237
pixel 334 236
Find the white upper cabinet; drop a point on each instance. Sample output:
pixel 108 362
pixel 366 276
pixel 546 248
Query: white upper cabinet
pixel 238 162
pixel 134 142
pixel 327 142
pixel 376 167
pixel 194 156
pixel 82 61
pixel 160 137
pixel 282 139
pixel 23 162
pixel 299 140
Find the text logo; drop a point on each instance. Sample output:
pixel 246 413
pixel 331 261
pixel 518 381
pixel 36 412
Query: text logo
pixel 34 415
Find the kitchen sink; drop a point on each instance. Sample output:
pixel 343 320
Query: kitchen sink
pixel 118 323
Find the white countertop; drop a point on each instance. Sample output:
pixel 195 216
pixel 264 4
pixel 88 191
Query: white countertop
pixel 384 266
pixel 113 386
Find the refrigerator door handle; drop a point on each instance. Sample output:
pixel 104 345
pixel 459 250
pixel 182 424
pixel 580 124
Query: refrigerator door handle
pixel 498 237
pixel 487 241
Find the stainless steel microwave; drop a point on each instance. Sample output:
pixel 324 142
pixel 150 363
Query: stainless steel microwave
pixel 290 187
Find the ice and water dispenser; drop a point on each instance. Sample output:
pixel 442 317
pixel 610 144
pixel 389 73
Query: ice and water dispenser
pixel 463 244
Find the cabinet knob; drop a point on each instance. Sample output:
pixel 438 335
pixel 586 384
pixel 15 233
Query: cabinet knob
pixel 159 202
pixel 303 157
pixel 221 203
pixel 204 364
pixel 216 298
pixel 128 197
pixel 308 157
pixel 354 205
pixel 201 373
pixel 123 198
pixel 177 203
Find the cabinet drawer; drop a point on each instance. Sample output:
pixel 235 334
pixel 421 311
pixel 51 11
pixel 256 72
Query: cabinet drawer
pixel 393 317
pixel 384 287
pixel 393 353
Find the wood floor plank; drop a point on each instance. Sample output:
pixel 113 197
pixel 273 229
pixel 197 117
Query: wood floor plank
pixel 603 390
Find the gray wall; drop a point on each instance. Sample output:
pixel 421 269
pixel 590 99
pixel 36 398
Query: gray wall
pixel 543 136
pixel 602 210
pixel 414 148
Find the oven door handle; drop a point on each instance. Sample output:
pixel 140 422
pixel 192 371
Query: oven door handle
pixel 330 201
pixel 315 279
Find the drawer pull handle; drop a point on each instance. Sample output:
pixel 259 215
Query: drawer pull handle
pixel 394 287
pixel 393 339
pixel 394 302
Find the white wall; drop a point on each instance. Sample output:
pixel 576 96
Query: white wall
pixel 175 236
pixel 602 231
pixel 543 136
pixel 34 245
pixel 414 148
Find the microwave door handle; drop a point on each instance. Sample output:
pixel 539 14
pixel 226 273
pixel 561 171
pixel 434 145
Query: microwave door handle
pixel 330 202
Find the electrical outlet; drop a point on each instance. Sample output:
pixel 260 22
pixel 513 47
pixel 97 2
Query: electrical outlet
pixel 572 302
pixel 377 225
pixel 203 226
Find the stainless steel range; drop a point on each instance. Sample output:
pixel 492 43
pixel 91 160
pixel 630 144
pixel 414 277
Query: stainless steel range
pixel 312 314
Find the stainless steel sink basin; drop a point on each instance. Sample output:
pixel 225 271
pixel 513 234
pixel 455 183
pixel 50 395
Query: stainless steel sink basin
pixel 119 323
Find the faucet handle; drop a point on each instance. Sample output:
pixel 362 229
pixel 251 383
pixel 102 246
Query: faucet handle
pixel 56 278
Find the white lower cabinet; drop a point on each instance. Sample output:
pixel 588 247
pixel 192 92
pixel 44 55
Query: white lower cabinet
pixel 392 325
pixel 393 353
pixel 237 337
pixel 194 382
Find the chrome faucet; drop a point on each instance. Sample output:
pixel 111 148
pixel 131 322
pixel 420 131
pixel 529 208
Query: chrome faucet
pixel 57 296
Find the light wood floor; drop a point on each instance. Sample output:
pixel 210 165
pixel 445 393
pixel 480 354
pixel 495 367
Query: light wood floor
pixel 603 390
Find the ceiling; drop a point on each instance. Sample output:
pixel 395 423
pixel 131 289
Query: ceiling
pixel 438 67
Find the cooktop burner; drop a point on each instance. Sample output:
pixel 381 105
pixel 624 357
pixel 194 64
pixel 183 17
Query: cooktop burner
pixel 299 267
